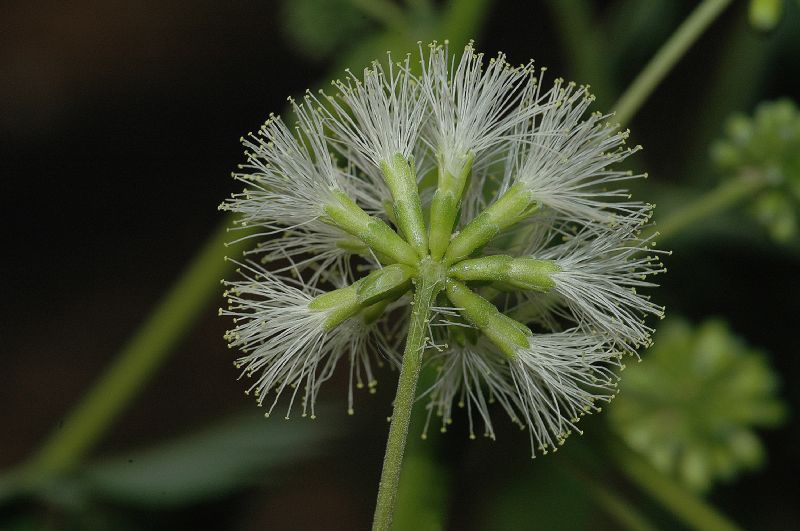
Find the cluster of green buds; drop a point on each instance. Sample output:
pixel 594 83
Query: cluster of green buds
pixel 693 407
pixel 765 148
pixel 489 199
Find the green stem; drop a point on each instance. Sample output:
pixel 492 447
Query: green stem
pixel 134 365
pixel 428 285
pixel 724 196
pixel 669 54
pixel 693 511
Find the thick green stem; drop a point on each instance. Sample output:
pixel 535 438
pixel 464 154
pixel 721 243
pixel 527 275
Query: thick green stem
pixel 693 511
pixel 724 196
pixel 669 54
pixel 428 284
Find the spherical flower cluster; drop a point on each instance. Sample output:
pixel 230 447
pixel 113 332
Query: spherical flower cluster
pixel 491 197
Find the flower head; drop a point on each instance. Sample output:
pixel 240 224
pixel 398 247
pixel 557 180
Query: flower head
pixel 529 251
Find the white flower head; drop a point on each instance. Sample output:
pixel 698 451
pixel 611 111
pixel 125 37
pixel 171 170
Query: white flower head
pixel 289 176
pixel 527 248
pixel 600 276
pixel 318 251
pixel 545 388
pixel 472 378
pixel 561 377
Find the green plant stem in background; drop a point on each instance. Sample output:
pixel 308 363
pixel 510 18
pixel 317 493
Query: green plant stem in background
pixel 135 364
pixel 669 54
pixel 726 195
pixel 691 509
pixel 428 285
pixel 745 54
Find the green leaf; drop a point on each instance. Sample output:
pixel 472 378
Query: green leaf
pixel 217 460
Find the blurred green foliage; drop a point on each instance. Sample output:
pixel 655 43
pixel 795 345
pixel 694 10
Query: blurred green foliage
pixel 691 406
pixel 767 144
pixel 765 14
pixel 307 24
pixel 220 459
pixel 542 497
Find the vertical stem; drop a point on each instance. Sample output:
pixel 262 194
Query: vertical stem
pixel 428 285
pixel 669 54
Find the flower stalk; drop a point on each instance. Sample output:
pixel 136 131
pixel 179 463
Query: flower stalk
pixel 401 177
pixel 511 208
pixel 719 199
pixel 427 285
pixel 692 510
pixel 446 204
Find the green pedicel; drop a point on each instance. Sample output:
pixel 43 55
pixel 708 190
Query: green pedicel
pixel 508 334
pixel 379 236
pixel 514 206
pixel 384 284
pixel 445 205
pixel 520 273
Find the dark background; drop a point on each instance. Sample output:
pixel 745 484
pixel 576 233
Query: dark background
pixel 119 125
